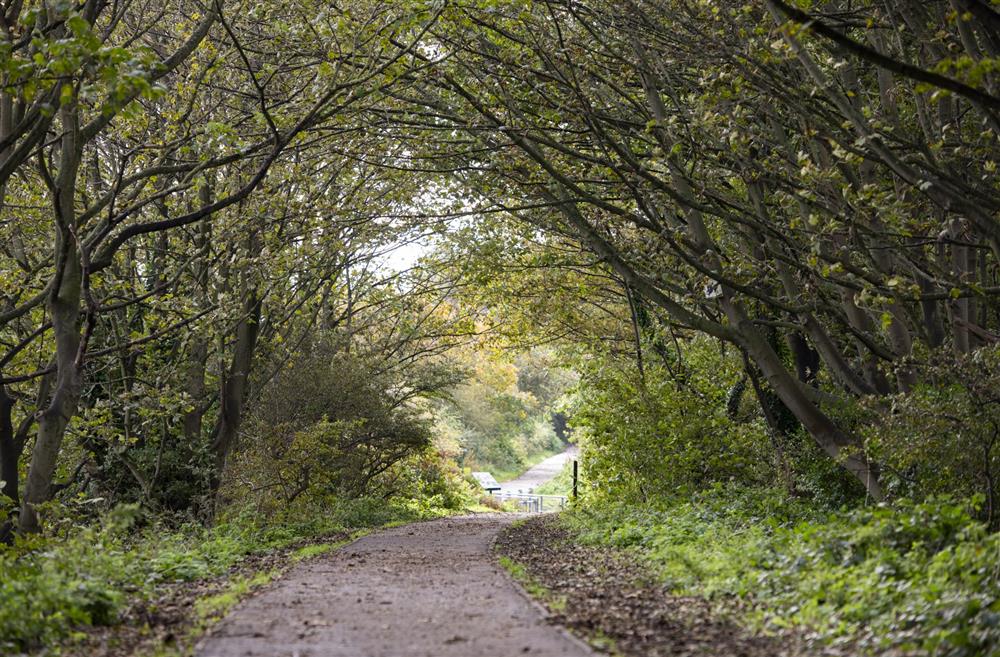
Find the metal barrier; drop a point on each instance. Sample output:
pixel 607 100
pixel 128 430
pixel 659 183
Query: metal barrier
pixel 532 503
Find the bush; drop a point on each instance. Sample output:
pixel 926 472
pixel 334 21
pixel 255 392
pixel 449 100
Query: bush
pixel 943 437
pixel 47 588
pixel 666 436
pixel 325 429
pixel 429 476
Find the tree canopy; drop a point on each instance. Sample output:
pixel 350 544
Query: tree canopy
pixel 197 197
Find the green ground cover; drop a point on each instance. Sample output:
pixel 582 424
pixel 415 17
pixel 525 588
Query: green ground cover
pixel 914 578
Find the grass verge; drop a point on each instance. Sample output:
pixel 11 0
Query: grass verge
pixel 553 602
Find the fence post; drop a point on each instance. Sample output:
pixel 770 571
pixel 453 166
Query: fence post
pixel 575 477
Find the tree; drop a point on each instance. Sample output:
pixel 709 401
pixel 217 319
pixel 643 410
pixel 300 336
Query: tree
pixel 138 136
pixel 738 173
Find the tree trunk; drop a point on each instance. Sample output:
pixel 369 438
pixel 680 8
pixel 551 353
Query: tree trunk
pixel 64 311
pixel 842 447
pixel 10 452
pixel 235 386
pixel 195 386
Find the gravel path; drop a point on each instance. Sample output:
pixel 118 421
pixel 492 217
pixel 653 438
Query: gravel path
pixel 527 481
pixel 428 589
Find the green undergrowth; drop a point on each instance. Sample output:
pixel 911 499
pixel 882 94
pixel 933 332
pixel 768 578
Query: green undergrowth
pixel 213 606
pixel 53 586
pixel 909 579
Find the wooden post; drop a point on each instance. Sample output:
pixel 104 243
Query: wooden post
pixel 575 477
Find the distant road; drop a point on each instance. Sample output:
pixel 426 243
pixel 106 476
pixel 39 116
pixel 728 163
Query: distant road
pixel 541 473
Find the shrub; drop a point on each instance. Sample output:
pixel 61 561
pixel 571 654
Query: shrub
pixel 327 428
pixel 49 588
pixel 665 436
pixel 943 437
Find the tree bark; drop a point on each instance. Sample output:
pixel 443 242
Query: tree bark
pixel 842 447
pixel 10 453
pixel 235 386
pixel 64 311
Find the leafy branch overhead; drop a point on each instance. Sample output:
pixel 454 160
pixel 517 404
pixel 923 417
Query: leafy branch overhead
pixel 272 256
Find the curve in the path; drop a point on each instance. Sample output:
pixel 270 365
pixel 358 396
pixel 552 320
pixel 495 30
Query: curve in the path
pixel 531 479
pixel 429 589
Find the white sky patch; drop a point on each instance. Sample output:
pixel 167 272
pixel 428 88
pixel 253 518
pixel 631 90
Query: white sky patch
pixel 406 254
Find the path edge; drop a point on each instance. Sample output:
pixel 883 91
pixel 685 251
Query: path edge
pixel 359 534
pixel 542 609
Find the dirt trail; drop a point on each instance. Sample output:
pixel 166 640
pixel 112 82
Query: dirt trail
pixel 427 589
